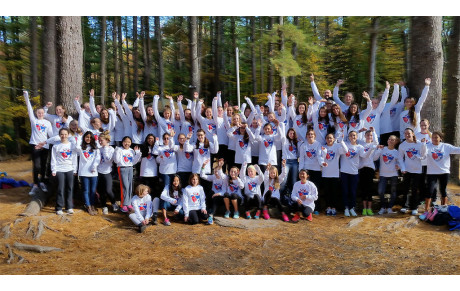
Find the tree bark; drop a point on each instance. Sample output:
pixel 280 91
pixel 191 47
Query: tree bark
pixel 294 55
pixel 233 54
pixel 161 77
pixel 281 44
pixel 194 58
pixel 452 126
pixel 128 73
pixel 49 63
pixel 427 62
pixel 103 59
pixel 373 54
pixel 253 55
pixel 261 54
pixel 70 60
pixel 270 54
pixel 217 54
pixel 116 65
pixel 135 56
pixel 120 55
pixel 147 50
pixel 33 56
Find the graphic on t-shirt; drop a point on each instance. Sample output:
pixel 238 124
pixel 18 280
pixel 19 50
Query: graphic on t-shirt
pixel 211 127
pixel 218 187
pixel 188 156
pixel 203 151
pixel 437 155
pixel 303 192
pixel 392 111
pixel 341 124
pixel 242 144
pixel 330 155
pixel 271 188
pixel 299 122
pixel 370 118
pixel 387 158
pixel 252 185
pixel 354 124
pixel 87 154
pixel 40 127
pixel 406 119
pixel 311 153
pixel 168 153
pixel 322 126
pixel 143 206
pixel 233 188
pixel 195 197
pixel 268 142
pixel 170 125
pixel 59 124
pixel 351 153
pixel 293 148
pixel 411 153
pixel 127 158
pixel 66 154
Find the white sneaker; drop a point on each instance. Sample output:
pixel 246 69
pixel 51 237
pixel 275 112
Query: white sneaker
pixel 352 212
pixel 43 187
pixel 115 207
pixel 404 210
pixel 347 212
pixel 390 211
pixel 34 190
pixel 59 212
pixel 414 212
pixel 105 210
pixel 382 211
pixel 70 211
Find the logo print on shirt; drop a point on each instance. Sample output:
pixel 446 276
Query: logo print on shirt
pixel 406 119
pixel 149 157
pixel 242 144
pixel 233 188
pixel 268 143
pixel 271 188
pixel 293 148
pixel 40 127
pixel 211 127
pixel 218 187
pixel 392 111
pixel 351 153
pixel 127 158
pixel 252 185
pixel 437 155
pixel 170 125
pixel 188 156
pixel 387 158
pixel 411 153
pixel 190 128
pixel 330 155
pixel 203 151
pixel 341 124
pixel 168 153
pixel 59 124
pixel 303 192
pixel 370 118
pixel 87 154
pixel 354 124
pixel 322 126
pixel 195 197
pixel 143 206
pixel 66 154
pixel 311 153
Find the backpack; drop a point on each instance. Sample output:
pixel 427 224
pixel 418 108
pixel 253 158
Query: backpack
pixel 439 215
pixel 454 212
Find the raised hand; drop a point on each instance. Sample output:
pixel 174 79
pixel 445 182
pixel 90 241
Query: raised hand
pixel 220 163
pixel 189 135
pixel 366 96
pixel 283 163
pixel 402 83
pixel 77 98
pixel 180 98
pixel 49 104
pixel 310 100
pixel 91 93
pixel 123 96
pixel 339 82
pixel 324 164
pixel 142 94
pixel 427 81
pixel 387 84
pixel 269 166
pixel 312 78
pixel 114 95
pixel 136 148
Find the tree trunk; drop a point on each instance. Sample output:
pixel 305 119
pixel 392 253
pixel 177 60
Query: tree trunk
pixel 294 55
pixel 427 62
pixel 253 55
pixel 270 54
pixel 217 55
pixel 147 50
pixel 161 81
pixel 281 44
pixel 103 58
pixel 33 56
pixel 49 65
pixel 233 55
pixel 373 54
pixel 120 55
pixel 6 51
pixel 452 126
pixel 261 54
pixel 70 61
pixel 128 73
pixel 194 58
pixel 116 66
pixel 135 56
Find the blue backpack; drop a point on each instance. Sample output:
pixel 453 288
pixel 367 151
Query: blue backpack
pixel 454 212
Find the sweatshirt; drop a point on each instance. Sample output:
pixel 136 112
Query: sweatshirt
pixel 193 199
pixel 88 162
pixel 201 154
pixel 251 185
pixel 310 156
pixel 235 186
pixel 438 157
pixel 173 199
pixel 331 156
pixel 388 113
pixel 105 165
pixel 149 167
pixel 411 156
pixel 41 129
pixel 389 159
pixel 270 183
pixel 142 207
pixel 404 118
pixel 307 190
pixel 126 157
pixel 63 158
pixel 219 185
pixel 349 162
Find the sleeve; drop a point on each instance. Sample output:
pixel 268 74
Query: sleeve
pixel 400 105
pixel 219 99
pixel 319 157
pixel 383 101
pixel 421 100
pixel 284 98
pixel 251 105
pixel 239 182
pixel 92 107
pixel 313 193
pixel 206 177
pixel 198 114
pixel 202 201
pixel 173 109
pixel 135 204
pixel 271 103
pixel 231 131
pixel 242 109
pixel 164 195
pixel 214 145
pixel 251 135
pixel 301 156
pixel 422 151
pixel 149 207
pixel 181 111
pixel 315 91
pixel 74 161
pixel 185 203
pixel 453 149
pixel 365 113
pixel 53 140
pixel 107 153
pixel 30 110
pixel 260 176
pixel 121 112
pixel 96 160
pixel 283 175
pixel 294 195
pixel 283 114
pixel 142 109
pixel 214 111
pixel 335 95
pixel 395 96
pixel 128 111
pixel 243 172
pixel 112 119
pixel 343 149
pixel 137 157
pixel 155 108
pixel 53 160
pixel 77 106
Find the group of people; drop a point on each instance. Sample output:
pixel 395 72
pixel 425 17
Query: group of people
pixel 193 159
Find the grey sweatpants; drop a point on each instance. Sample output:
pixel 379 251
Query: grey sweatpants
pixel 155 206
pixel 126 184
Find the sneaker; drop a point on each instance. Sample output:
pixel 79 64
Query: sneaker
pixel 95 212
pixel 88 208
pixel 142 228
pixel 43 187
pixel 285 217
pixel 167 222
pixel 353 213
pixel 265 214
pixel 316 212
pixel 210 220
pixel 227 214
pixel 369 212
pixel 390 211
pixel 414 212
pixel 309 217
pixel 257 214
pixel 432 214
pixel 382 211
pixel 248 215
pixel 70 211
pixel 155 219
pixel 328 211
pixel 105 210
pixel 333 212
pixel 296 218
pixel 115 207
pixel 124 209
pixel 236 215
pixel 347 212
pixel 59 212
pixel 364 212
pixel 423 216
pixel 34 190
pixel 130 208
pixel 404 210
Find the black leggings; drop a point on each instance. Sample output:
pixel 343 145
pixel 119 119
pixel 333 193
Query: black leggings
pixel 104 188
pixel 331 191
pixel 269 200
pixel 154 185
pixel 64 195
pixel 250 202
pixel 412 182
pixel 366 183
pixel 39 158
pixel 216 203
pixel 432 182
pixel 194 216
pixel 306 211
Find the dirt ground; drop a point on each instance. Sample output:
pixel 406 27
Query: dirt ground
pixel 328 245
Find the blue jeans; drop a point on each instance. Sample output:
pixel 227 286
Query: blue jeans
pixel 170 207
pixel 89 189
pixel 166 178
pixel 349 186
pixel 382 187
pixel 292 174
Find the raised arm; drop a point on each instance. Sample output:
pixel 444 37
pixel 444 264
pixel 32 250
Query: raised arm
pixel 314 88
pixel 365 113
pixel 92 105
pixel 384 99
pixel 128 111
pixel 335 94
pixel 180 108
pixel 395 95
pixel 30 110
pixel 141 106
pixel 421 100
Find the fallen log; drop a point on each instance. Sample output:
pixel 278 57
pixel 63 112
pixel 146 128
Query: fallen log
pixel 35 248
pixel 10 254
pixel 6 230
pixel 40 229
pixel 30 230
pixel 38 201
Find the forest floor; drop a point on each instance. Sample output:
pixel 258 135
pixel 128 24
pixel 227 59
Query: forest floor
pixel 110 244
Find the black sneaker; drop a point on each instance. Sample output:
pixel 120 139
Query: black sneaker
pixel 142 228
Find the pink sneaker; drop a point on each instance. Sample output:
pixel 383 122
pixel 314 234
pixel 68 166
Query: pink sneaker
pixel 285 217
pixel 130 207
pixel 265 214
pixel 124 209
